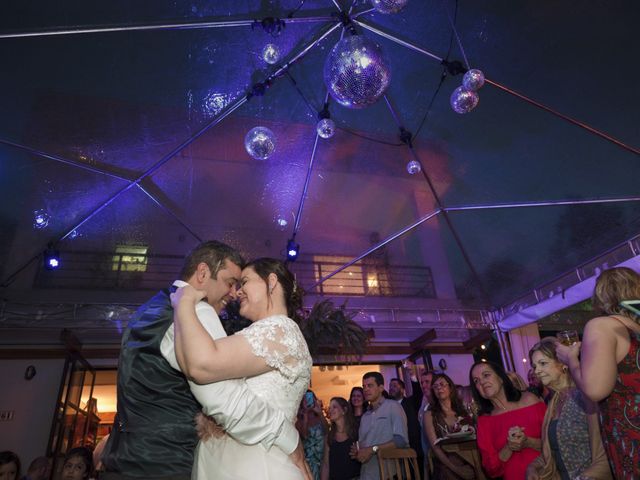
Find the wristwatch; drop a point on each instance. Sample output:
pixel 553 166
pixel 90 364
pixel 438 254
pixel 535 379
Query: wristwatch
pixel 375 449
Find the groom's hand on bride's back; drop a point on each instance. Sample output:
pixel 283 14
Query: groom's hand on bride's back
pixel 297 456
pixel 207 427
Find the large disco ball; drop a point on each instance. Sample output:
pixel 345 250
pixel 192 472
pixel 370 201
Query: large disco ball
pixel 389 6
pixel 473 79
pixel 463 100
pixel 260 143
pixel 355 72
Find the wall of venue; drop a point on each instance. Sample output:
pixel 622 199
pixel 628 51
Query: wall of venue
pixel 31 404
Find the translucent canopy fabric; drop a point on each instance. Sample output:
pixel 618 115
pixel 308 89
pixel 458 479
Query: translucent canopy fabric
pixel 125 122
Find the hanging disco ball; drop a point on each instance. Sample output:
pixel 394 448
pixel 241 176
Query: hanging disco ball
pixel 463 100
pixel 271 53
pixel 40 219
pixel 355 72
pixel 326 128
pixel 413 167
pixel 260 143
pixel 473 80
pixel 389 6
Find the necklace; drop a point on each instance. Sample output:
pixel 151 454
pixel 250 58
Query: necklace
pixel 499 404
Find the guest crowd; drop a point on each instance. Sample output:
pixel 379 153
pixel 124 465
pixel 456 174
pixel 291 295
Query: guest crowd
pixel 577 417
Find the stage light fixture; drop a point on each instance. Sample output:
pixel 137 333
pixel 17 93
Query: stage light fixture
pixel 51 258
pixel 293 249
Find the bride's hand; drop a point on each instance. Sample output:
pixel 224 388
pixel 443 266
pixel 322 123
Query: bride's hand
pixel 298 458
pixel 187 295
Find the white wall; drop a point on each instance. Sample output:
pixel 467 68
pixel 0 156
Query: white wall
pixel 33 402
pixel 458 366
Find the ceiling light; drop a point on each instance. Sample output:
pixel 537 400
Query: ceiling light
pixel 51 258
pixel 293 249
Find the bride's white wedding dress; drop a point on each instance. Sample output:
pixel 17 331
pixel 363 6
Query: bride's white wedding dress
pixel 279 341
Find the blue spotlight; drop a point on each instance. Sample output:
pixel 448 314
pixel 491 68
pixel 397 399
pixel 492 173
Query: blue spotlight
pixel 292 250
pixel 51 258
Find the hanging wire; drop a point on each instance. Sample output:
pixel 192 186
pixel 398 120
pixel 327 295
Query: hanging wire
pixel 312 109
pixel 295 10
pixel 455 32
pixel 443 76
pixel 344 129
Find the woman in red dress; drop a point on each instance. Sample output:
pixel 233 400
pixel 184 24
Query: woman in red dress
pixel 608 370
pixel 509 422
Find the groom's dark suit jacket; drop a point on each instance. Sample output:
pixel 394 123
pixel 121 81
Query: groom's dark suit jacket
pixel 154 433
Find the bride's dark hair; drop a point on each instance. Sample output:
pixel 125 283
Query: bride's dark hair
pixel 292 292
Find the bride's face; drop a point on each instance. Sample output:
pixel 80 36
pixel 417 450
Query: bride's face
pixel 253 295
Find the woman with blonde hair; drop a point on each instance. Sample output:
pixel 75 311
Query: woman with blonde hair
pixel 608 368
pixel 571 443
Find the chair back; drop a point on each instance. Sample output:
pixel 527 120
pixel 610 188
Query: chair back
pixel 398 464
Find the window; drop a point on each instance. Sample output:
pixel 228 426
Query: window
pixel 361 278
pixel 130 258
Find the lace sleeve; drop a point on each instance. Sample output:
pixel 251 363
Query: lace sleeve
pixel 279 341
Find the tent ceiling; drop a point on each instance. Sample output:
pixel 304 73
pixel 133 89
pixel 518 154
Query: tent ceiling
pixel 159 104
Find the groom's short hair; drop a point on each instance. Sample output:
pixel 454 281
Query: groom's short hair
pixel 214 254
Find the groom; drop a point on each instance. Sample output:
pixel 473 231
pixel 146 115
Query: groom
pixel 154 436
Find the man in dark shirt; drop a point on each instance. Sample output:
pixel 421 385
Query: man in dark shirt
pixel 397 393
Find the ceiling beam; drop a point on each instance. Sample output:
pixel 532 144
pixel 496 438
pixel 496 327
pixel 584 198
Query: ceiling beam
pixel 477 340
pixel 423 340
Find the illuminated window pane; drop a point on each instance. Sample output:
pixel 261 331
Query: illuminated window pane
pixel 129 258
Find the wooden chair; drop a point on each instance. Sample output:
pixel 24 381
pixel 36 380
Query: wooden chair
pixel 398 464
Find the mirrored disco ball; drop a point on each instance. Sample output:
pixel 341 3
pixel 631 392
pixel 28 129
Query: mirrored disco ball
pixel 270 53
pixel 355 72
pixel 389 6
pixel 40 219
pixel 326 128
pixel 473 79
pixel 463 100
pixel 413 167
pixel 260 143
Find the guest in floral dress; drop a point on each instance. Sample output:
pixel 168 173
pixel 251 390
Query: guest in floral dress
pixel 606 367
pixel 313 429
pixel 571 443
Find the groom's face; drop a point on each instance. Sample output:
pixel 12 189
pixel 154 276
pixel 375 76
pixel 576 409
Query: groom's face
pixel 222 288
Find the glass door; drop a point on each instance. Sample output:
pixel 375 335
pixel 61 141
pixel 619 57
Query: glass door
pixel 75 421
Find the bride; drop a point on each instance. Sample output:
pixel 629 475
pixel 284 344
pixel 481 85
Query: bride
pixel 272 352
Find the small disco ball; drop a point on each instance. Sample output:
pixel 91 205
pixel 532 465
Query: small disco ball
pixel 473 80
pixel 40 219
pixel 389 6
pixel 413 167
pixel 355 72
pixel 270 53
pixel 463 100
pixel 326 128
pixel 260 143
